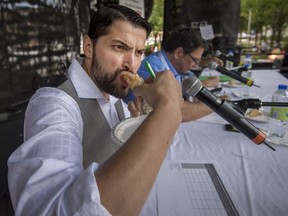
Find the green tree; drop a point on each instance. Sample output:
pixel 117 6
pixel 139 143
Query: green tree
pixel 156 18
pixel 266 14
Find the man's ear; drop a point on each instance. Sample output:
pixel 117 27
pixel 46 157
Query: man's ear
pixel 87 47
pixel 178 52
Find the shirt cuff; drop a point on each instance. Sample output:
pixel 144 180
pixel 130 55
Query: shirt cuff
pixel 87 185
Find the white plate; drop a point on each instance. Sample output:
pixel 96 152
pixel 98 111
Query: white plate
pixel 228 84
pixel 124 129
pixel 263 118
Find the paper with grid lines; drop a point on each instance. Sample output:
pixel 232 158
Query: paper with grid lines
pixel 192 189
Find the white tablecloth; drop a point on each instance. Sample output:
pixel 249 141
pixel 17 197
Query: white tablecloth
pixel 257 175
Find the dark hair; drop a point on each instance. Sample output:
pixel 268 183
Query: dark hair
pixel 187 38
pixel 104 18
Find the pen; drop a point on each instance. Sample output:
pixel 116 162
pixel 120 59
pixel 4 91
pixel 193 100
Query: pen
pixel 150 70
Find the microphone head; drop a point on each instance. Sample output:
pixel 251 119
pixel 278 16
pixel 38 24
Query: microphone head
pixel 217 53
pixel 191 86
pixel 212 65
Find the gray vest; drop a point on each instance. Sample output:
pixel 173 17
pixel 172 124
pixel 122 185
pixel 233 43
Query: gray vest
pixel 97 143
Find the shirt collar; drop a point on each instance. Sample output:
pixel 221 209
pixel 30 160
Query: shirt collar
pixel 83 84
pixel 170 66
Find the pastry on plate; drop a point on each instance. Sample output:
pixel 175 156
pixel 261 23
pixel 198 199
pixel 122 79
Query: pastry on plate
pixel 254 113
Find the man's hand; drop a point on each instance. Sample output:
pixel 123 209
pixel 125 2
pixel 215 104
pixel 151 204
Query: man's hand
pixel 135 107
pixel 140 106
pixel 165 90
pixel 212 81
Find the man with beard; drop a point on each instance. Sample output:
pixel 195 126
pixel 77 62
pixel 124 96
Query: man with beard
pixel 67 129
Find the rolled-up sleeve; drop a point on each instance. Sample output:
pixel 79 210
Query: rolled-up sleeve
pixel 46 175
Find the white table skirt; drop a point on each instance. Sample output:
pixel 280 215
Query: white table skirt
pixel 257 175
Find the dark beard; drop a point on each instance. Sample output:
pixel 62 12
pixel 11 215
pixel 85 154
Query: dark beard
pixel 106 81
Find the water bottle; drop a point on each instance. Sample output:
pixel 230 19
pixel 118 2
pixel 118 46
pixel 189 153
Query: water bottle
pixel 281 95
pixel 248 66
pixel 229 64
pixel 247 74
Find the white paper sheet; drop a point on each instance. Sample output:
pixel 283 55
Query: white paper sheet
pixel 185 188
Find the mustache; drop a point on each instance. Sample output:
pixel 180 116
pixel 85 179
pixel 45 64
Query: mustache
pixel 119 71
pixel 126 69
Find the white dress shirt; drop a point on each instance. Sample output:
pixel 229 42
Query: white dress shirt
pixel 46 175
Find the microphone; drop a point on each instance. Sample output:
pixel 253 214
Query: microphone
pixel 247 81
pixel 193 87
pixel 255 103
pixel 221 55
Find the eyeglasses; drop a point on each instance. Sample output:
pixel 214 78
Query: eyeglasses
pixel 195 60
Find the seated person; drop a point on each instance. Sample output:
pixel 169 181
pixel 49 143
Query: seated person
pixel 61 168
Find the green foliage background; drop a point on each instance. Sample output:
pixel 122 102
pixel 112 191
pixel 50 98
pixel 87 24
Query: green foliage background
pixel 266 14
